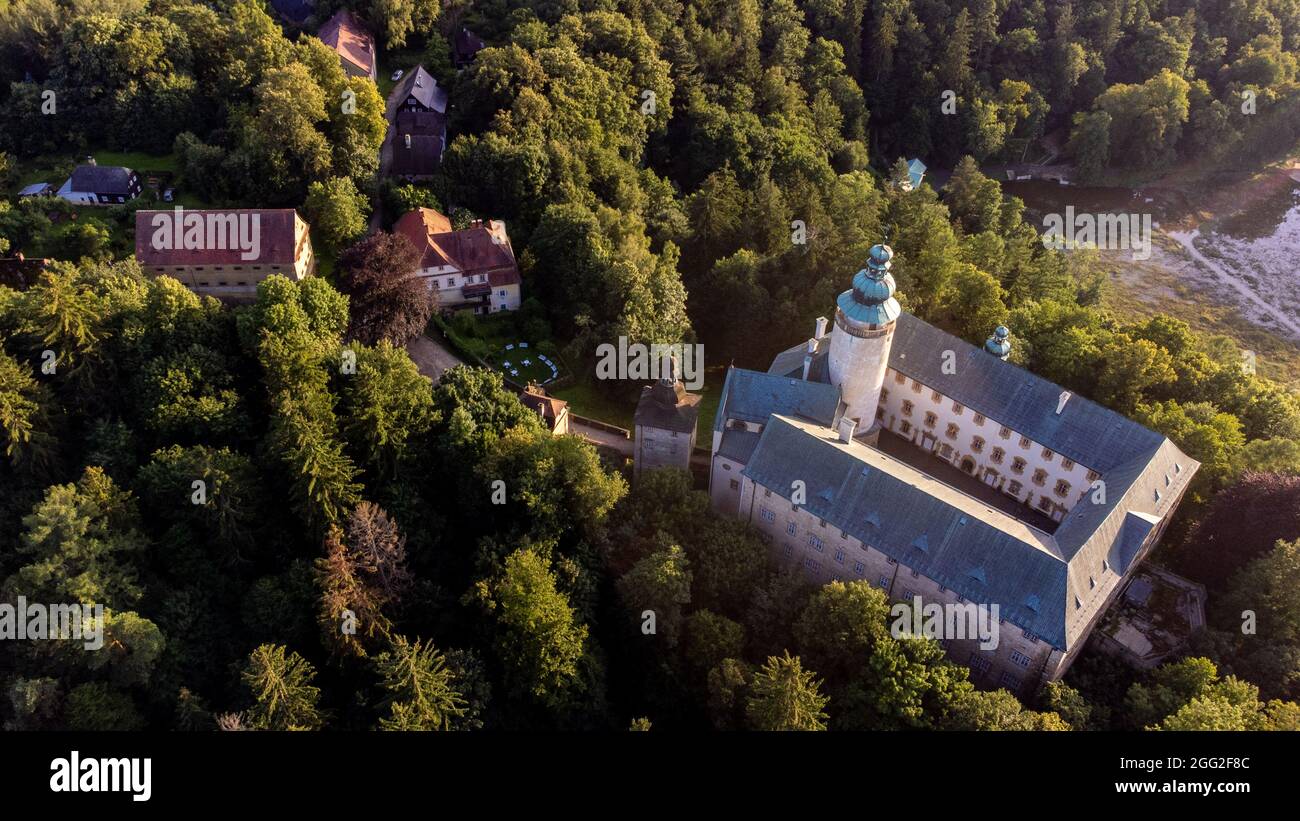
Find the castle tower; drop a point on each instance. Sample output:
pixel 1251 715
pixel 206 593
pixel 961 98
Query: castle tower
pixel 999 344
pixel 665 424
pixel 864 328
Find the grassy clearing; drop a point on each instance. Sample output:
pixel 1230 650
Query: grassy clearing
pixel 586 398
pixel 390 61
pixel 486 338
pixel 1139 291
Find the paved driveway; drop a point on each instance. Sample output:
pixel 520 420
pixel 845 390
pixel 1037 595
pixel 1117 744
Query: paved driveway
pixel 431 357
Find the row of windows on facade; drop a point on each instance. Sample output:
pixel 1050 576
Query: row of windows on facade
pixel 469 280
pixel 953 430
pixel 816 543
pixel 791 528
pixel 979 661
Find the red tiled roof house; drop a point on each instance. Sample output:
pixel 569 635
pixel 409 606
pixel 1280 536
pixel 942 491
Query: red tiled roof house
pixel 472 268
pixel 355 45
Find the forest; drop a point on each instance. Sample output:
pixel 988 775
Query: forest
pixel 291 529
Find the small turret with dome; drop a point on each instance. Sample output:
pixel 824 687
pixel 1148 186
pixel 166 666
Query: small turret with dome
pixel 865 318
pixel 1000 343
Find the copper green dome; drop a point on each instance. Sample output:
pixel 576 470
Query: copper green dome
pixel 999 344
pixel 871 300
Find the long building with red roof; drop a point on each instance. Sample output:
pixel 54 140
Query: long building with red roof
pixel 224 252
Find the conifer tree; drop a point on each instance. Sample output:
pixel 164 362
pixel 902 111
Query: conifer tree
pixel 422 692
pixel 786 697
pixel 284 697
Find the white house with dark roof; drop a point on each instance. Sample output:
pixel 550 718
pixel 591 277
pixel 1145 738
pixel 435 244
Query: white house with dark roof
pixel 93 184
pixel 891 451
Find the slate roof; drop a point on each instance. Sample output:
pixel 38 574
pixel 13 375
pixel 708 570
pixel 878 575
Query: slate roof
pixel 1143 475
pixel 1018 399
pixel 751 396
pixel 1001 391
pixel 466 45
pixel 957 540
pixel 738 445
pixel 102 179
pixel 420 158
pixel 421 85
pixel 667 407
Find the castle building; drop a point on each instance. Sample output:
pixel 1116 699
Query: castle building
pixel 891 451
pixel 664 424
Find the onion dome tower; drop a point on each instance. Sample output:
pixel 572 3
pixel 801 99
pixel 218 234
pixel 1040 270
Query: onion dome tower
pixel 865 318
pixel 999 344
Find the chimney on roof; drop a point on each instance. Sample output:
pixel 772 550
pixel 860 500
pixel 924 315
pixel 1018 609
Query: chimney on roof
pixel 808 358
pixel 19 256
pixel 1060 403
pixel 821 328
pixel 407 137
pixel 91 161
pixel 847 426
